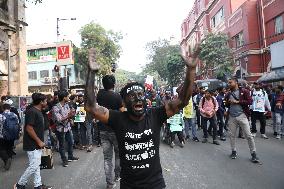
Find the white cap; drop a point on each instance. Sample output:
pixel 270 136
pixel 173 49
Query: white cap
pixel 8 101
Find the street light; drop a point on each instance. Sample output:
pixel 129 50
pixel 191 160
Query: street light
pixel 57 25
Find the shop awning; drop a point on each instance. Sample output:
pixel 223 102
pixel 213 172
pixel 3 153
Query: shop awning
pixel 273 76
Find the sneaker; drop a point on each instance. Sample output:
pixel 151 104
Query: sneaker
pixel 264 136
pixel 204 140
pixel 195 139
pixel 117 179
pixel 254 158
pixel 111 186
pixel 8 164
pixel 233 155
pixel 43 187
pixel 253 134
pixel 65 163
pixel 90 148
pixel 182 144
pixel 222 138
pixel 17 186
pixel 172 144
pixel 216 142
pixel 73 159
pixel 278 137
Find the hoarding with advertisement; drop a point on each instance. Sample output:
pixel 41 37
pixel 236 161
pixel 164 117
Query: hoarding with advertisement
pixel 64 53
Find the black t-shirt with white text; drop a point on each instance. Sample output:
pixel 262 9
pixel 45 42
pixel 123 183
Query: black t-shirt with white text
pixel 110 100
pixel 34 118
pixel 138 143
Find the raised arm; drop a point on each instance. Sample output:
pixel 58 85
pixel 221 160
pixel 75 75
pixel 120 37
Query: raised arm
pixel 100 113
pixel 185 90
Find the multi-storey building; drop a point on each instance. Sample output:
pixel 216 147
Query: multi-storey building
pixel 252 26
pixel 41 74
pixel 13 71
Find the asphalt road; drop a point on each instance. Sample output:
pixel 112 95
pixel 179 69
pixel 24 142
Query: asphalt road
pixel 196 166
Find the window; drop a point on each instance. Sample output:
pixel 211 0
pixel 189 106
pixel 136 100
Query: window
pixel 218 18
pixel 54 73
pixel 44 73
pixel 239 39
pixel 69 72
pixel 279 25
pixel 32 75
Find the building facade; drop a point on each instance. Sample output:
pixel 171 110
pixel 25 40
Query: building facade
pixel 13 71
pixel 41 74
pixel 252 26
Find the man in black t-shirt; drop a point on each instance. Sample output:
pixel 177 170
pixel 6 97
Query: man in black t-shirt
pixel 137 130
pixel 111 100
pixel 33 142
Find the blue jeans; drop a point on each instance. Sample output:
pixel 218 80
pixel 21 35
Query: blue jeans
pixel 62 137
pixel 279 123
pixel 33 169
pixel 190 123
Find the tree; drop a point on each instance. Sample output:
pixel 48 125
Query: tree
pixel 216 55
pixel 159 53
pixel 106 43
pixel 175 66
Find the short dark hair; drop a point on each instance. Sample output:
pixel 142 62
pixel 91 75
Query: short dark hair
pixel 234 79
pixel 38 98
pixel 55 93
pixel 123 92
pixel 6 106
pixel 62 94
pixel 3 98
pixel 280 87
pixel 108 82
pixel 72 97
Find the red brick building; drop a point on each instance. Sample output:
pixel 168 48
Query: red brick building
pixel 252 26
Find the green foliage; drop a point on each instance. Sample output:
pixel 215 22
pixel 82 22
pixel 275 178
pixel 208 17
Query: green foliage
pixel 123 77
pixel 160 52
pixel 175 66
pixel 106 43
pixel 216 54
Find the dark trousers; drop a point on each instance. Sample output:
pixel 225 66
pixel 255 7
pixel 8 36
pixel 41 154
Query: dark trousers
pixel 221 123
pixel 75 131
pixel 179 134
pixel 83 134
pixel 213 124
pixel 262 119
pixel 62 137
pixel 198 118
pixel 6 149
pixel 97 135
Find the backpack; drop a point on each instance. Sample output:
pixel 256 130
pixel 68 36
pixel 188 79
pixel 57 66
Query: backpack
pixel 11 128
pixel 213 100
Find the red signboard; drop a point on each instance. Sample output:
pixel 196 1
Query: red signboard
pixel 63 52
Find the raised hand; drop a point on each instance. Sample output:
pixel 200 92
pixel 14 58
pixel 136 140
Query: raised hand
pixel 190 59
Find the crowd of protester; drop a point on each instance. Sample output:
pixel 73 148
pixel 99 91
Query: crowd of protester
pixel 59 120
